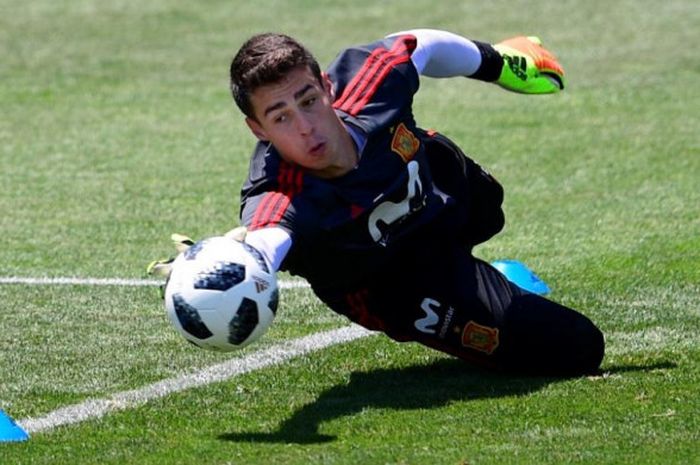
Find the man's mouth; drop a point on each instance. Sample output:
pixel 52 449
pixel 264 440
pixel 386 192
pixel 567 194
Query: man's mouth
pixel 317 149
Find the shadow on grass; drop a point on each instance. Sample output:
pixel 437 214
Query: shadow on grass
pixel 619 369
pixel 418 387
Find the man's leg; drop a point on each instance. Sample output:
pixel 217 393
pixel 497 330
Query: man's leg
pixel 466 308
pixel 537 334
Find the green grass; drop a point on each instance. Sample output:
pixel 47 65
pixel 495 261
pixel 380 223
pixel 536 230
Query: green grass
pixel 117 129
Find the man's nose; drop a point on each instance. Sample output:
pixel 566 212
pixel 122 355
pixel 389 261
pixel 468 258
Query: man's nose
pixel 304 125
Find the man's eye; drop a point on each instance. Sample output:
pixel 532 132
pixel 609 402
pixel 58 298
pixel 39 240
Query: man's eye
pixel 309 101
pixel 280 118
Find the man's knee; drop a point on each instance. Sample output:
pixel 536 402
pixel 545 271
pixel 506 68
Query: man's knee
pixel 544 337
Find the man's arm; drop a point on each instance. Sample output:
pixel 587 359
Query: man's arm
pixel 519 64
pixel 442 54
pixel 273 242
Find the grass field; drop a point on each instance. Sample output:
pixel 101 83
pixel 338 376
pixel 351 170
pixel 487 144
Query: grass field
pixel 117 129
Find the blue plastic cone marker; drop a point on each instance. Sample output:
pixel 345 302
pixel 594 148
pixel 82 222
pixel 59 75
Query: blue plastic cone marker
pixel 9 430
pixel 521 276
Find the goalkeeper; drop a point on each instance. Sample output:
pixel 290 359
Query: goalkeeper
pixel 381 216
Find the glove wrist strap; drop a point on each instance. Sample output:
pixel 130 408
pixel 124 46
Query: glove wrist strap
pixel 491 63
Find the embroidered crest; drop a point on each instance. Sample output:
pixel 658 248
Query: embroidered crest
pixel 405 143
pixel 479 337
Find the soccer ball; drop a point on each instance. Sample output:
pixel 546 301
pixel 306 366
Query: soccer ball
pixel 221 294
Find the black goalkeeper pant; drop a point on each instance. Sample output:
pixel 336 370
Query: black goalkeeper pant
pixel 463 306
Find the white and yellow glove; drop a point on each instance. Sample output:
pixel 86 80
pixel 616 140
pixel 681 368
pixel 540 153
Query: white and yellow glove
pixel 164 266
pixel 182 243
pixel 237 234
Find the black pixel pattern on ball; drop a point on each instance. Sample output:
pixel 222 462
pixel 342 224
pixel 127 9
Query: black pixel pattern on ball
pixel 189 318
pixel 244 322
pixel 191 253
pixel 274 300
pixel 257 256
pixel 221 277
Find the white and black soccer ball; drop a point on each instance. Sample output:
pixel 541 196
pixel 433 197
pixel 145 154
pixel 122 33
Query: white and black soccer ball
pixel 221 294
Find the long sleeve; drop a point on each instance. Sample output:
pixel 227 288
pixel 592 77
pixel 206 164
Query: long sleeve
pixel 273 242
pixel 442 54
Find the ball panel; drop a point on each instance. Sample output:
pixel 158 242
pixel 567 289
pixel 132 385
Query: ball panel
pixel 193 251
pixel 258 257
pixel 244 322
pixel 274 300
pixel 221 276
pixel 189 318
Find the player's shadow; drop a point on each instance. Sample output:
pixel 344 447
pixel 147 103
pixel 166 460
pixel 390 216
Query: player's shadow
pixel 417 387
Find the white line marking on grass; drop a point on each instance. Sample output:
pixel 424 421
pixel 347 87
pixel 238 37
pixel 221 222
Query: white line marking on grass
pixel 97 408
pixel 62 281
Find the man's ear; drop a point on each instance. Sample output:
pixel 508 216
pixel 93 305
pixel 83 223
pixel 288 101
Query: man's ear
pixel 256 129
pixel 328 85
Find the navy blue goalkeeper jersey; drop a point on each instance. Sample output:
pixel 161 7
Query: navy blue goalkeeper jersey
pixel 347 231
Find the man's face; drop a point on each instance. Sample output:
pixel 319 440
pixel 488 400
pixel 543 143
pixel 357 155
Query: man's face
pixel 296 115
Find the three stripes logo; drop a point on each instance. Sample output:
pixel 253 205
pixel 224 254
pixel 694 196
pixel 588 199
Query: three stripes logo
pixel 371 75
pixel 260 284
pixel 518 65
pixel 274 204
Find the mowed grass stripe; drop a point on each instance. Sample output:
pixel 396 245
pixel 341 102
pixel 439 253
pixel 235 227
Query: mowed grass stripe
pixel 67 280
pixel 276 354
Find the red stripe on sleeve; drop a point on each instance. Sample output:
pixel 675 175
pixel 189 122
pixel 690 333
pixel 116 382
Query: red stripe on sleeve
pixel 281 206
pixel 372 73
pixel 372 61
pixel 264 210
pixel 273 205
pixel 290 179
pixel 377 82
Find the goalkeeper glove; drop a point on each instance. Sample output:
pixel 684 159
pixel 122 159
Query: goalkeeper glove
pixel 528 67
pixel 237 234
pixel 182 243
pixel 163 267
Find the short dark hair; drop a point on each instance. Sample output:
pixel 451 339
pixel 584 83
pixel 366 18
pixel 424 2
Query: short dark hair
pixel 265 59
